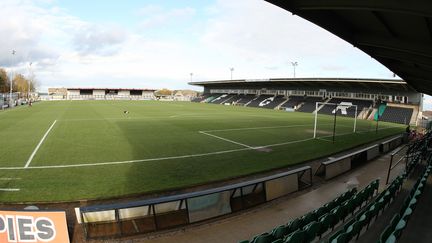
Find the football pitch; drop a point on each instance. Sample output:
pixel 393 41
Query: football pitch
pixel 77 150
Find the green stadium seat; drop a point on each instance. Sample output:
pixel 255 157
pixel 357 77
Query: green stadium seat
pixel 320 212
pixel 345 210
pixel 416 193
pixel 387 197
pixel 386 233
pixel 337 215
pixel 399 228
pixel 326 221
pixel 350 206
pixel 334 237
pixel 375 185
pixel 355 200
pixel 295 237
pixel 330 205
pixel 369 190
pixel 391 239
pixel 371 213
pixel 294 225
pixel 412 203
pixel 263 238
pixel 311 231
pixel 280 231
pixel 407 214
pixel 380 206
pixel 278 241
pixel 306 219
pixel 363 219
pixel 353 230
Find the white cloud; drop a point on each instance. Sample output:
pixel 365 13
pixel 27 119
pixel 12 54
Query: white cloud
pixel 99 40
pixel 156 16
pixel 255 37
pixel 257 34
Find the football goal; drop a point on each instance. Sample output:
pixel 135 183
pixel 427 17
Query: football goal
pixel 332 119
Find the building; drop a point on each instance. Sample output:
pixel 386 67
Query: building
pixel 57 93
pixel 403 104
pixel 185 95
pixel 103 94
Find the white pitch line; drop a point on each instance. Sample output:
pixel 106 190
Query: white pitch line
pixel 9 189
pixel 172 157
pixel 127 161
pixel 257 128
pixel 227 140
pixel 39 144
pixel 9 179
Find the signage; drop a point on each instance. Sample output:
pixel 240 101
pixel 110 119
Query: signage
pixel 33 227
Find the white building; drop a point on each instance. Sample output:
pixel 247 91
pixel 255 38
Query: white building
pixel 109 94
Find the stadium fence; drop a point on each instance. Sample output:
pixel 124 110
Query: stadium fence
pixel 138 217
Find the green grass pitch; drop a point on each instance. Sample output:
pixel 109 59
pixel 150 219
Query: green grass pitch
pixel 94 150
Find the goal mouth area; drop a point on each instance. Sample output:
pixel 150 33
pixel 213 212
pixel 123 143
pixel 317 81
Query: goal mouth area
pixel 332 110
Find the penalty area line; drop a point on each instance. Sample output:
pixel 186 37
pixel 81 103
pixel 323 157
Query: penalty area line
pixel 39 144
pixel 167 158
pixel 227 140
pixel 9 189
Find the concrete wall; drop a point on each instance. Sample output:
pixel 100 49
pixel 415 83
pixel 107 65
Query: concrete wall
pixel 73 92
pixel 124 92
pixel 98 92
pixel 337 168
pixel 148 94
pixel 282 186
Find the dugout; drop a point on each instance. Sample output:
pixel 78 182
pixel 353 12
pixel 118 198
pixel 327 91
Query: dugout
pixel 154 214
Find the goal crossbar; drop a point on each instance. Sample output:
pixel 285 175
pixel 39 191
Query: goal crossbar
pixel 336 105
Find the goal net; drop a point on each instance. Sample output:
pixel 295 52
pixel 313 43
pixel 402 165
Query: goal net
pixel 334 119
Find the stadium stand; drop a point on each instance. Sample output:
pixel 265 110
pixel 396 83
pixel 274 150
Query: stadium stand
pixel 321 221
pixel 347 216
pixel 223 99
pixel 397 115
pixel 260 101
pixel 361 104
pixel 399 222
pixel 301 94
pixel 275 102
pixel 309 104
pixel 293 101
pixel 201 98
pixel 243 99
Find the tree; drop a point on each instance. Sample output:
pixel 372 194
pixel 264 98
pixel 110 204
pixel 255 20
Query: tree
pixel 23 85
pixel 20 83
pixel 4 81
pixel 164 92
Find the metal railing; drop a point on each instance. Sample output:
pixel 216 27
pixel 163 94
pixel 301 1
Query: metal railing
pixel 144 216
pixel 396 157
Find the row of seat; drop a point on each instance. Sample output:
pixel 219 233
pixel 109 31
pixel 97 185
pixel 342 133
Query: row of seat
pixel 393 231
pixel 299 223
pixel 316 223
pixel 397 115
pixel 364 216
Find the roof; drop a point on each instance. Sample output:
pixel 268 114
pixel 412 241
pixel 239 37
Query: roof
pixel 397 33
pixel 109 89
pixel 386 84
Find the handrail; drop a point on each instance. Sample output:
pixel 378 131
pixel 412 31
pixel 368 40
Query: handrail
pixel 334 160
pixel 177 197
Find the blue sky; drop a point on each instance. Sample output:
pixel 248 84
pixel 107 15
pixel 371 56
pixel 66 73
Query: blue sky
pixel 157 44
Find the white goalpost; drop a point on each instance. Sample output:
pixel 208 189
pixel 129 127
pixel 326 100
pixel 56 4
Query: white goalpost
pixel 343 106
